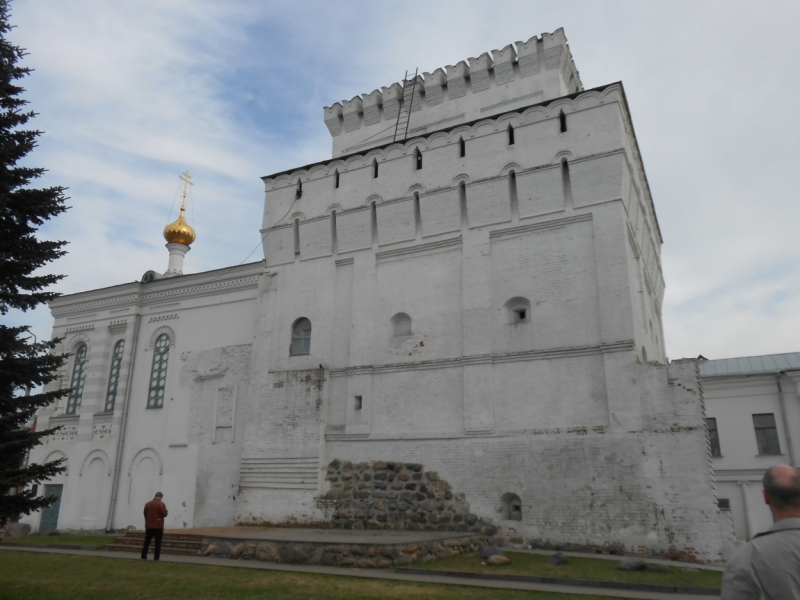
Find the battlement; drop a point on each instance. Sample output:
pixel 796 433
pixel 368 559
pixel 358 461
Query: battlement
pixel 535 71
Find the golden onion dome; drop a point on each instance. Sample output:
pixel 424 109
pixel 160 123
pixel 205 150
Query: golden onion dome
pixel 179 231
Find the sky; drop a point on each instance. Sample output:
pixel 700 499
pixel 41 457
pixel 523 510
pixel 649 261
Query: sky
pixel 131 94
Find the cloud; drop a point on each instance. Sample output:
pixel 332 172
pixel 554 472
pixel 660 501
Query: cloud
pixel 132 94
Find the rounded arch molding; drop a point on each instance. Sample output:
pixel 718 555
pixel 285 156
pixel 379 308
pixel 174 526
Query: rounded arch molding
pixel 510 167
pixel 417 188
pixel 77 340
pixel 459 179
pixel 57 455
pixel 158 332
pixel 148 452
pixel 96 454
pixel 562 156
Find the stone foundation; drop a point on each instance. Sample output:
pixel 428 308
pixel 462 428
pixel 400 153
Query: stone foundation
pixel 398 496
pixel 364 556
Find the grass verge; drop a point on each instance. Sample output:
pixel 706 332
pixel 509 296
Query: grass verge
pixel 37 576
pixel 80 540
pixel 578 568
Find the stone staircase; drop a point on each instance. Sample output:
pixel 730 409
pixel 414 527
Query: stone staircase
pixel 171 543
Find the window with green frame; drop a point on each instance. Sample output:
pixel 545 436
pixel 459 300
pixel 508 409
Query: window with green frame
pixel 158 375
pixel 113 376
pixel 77 381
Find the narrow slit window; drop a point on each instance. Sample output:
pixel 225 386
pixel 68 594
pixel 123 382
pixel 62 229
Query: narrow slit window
pixel 510 135
pixel 297 236
pixel 462 201
pixel 418 156
pixel 462 146
pixel 77 382
pixel 417 216
pixel 512 193
pixel 359 402
pixel 334 239
pixel 113 376
pixel 158 373
pixel 336 178
pixel 374 219
pixel 374 168
pixel 566 184
pixel 299 191
pixel 563 121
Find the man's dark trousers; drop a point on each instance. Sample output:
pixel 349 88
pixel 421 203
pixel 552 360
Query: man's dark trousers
pixel 149 534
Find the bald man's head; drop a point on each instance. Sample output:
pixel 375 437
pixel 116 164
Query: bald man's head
pixel 782 483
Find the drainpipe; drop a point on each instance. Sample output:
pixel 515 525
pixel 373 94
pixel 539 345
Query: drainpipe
pixel 123 423
pixel 786 428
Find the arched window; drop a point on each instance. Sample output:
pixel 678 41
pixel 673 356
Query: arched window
pixel 418 155
pixel 510 135
pixel 113 376
pixel 374 168
pixel 158 374
pixel 462 146
pixel 77 381
pixel 519 310
pixel 299 191
pixel 512 507
pixel 563 120
pixel 401 325
pixel 301 337
pixel 336 178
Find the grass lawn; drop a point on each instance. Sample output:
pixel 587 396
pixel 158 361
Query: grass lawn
pixel 578 568
pixel 36 576
pixel 82 540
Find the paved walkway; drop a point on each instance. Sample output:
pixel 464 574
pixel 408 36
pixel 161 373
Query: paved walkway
pixel 374 574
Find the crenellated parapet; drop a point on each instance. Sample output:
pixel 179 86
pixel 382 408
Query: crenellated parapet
pixel 517 75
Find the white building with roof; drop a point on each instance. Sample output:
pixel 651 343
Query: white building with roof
pixel 471 285
pixel 753 416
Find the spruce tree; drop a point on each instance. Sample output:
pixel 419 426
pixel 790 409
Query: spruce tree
pixel 24 364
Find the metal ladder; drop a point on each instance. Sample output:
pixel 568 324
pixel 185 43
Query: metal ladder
pixel 404 114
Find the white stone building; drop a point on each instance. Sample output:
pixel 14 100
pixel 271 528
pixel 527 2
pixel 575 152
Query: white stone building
pixel 472 283
pixel 753 414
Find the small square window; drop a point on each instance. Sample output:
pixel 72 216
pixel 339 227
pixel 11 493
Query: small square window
pixel 522 314
pixel 359 402
pixel 724 503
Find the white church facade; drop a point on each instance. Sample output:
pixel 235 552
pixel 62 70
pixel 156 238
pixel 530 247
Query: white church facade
pixel 470 286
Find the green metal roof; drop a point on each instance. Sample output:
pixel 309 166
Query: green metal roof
pixel 750 365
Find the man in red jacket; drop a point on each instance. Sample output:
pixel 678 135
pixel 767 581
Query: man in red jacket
pixel 154 513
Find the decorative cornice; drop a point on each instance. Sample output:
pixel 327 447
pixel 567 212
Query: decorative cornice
pixel 529 355
pixel 553 224
pixel 96 304
pixel 169 305
pixel 79 328
pixel 432 246
pixel 82 317
pixel 118 326
pixel 163 318
pixel 206 289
